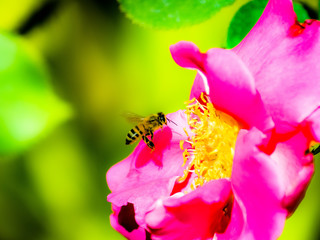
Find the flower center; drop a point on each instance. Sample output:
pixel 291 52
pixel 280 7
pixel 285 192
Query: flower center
pixel 211 148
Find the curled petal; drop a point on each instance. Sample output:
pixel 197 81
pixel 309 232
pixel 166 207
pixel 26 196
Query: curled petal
pixel 258 189
pixel 187 55
pixel 196 215
pixel 231 87
pixel 295 167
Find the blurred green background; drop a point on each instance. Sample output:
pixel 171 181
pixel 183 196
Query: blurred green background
pixel 71 76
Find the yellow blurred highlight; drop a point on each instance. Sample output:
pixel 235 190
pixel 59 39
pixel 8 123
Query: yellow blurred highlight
pixel 13 12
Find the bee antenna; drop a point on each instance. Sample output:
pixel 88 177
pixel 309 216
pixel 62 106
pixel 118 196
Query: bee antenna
pixel 172 121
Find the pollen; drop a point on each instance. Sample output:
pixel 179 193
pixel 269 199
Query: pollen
pixel 211 147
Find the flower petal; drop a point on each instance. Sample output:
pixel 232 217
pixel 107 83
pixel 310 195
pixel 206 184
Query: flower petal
pixel 147 175
pixel 296 169
pixel 200 85
pixel 142 189
pixel 282 55
pixel 196 215
pixel 187 55
pixel 230 84
pixel 145 160
pixel 258 188
pixel 313 125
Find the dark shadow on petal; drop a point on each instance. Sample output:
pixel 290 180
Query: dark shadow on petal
pixel 126 217
pixel 148 235
pixel 162 139
pixel 226 216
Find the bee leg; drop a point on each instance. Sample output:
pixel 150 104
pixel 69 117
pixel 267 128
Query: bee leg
pixel 149 143
pixel 151 135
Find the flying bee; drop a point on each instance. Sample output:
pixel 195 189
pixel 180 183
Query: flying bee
pixel 145 127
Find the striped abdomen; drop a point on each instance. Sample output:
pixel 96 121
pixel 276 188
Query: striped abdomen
pixel 134 134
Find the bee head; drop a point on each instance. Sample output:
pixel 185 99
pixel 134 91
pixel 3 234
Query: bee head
pixel 162 118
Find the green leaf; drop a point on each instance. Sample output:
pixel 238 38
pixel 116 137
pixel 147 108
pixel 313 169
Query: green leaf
pixel 171 14
pixel 302 14
pixel 243 21
pixel 248 15
pixel 28 105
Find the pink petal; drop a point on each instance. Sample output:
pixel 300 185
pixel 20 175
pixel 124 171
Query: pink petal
pixel 295 168
pixel 142 196
pixel 146 175
pixel 144 160
pixel 282 55
pixel 200 85
pixel 187 55
pixel 196 215
pixel 224 76
pixel 313 125
pixel 258 189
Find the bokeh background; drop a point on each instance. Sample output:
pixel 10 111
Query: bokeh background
pixel 80 66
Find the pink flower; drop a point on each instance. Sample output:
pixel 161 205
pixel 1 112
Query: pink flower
pixel 234 165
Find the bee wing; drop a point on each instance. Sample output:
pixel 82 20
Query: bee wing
pixel 132 117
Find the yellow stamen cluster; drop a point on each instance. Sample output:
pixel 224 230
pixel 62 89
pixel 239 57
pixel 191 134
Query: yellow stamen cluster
pixel 212 145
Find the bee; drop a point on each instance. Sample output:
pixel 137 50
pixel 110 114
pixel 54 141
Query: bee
pixel 145 127
pixel 315 149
